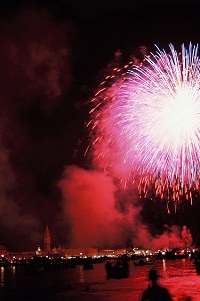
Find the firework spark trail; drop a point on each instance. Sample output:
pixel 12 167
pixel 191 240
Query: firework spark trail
pixel 147 124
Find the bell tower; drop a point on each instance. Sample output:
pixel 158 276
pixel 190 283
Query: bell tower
pixel 47 239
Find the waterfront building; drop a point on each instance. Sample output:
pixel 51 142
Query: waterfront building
pixel 81 252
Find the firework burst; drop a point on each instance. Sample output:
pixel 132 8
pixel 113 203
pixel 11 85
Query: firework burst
pixel 145 122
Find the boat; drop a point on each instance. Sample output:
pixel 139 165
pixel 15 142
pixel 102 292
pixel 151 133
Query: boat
pixel 175 253
pixel 69 264
pixel 88 266
pixel 143 262
pixel 119 270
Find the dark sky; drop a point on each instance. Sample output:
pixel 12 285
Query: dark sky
pixel 50 55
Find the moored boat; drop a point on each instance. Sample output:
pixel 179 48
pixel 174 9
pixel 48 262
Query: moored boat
pixel 143 262
pixel 118 270
pixel 88 266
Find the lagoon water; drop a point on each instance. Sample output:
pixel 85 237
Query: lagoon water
pixel 76 284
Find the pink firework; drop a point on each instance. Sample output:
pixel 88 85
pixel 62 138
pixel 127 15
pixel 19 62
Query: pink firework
pixel 145 122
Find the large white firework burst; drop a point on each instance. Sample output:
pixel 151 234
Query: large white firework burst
pixel 147 124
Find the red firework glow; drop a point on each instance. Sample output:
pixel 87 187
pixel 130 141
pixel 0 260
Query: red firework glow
pixel 145 124
pixel 99 211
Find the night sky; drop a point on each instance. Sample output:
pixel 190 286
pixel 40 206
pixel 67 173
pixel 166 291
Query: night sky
pixel 52 54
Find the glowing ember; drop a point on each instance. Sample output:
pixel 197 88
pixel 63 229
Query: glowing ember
pixel 145 123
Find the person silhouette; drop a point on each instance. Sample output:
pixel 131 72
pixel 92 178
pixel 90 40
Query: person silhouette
pixel 155 292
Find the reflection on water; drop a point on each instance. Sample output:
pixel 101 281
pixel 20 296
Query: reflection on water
pixel 81 279
pixel 178 276
pixel 2 277
pixel 182 280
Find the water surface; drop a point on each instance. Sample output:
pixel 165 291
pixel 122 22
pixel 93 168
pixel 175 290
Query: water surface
pixel 18 283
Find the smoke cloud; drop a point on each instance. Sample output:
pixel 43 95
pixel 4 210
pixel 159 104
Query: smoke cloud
pixel 96 220
pixel 35 60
